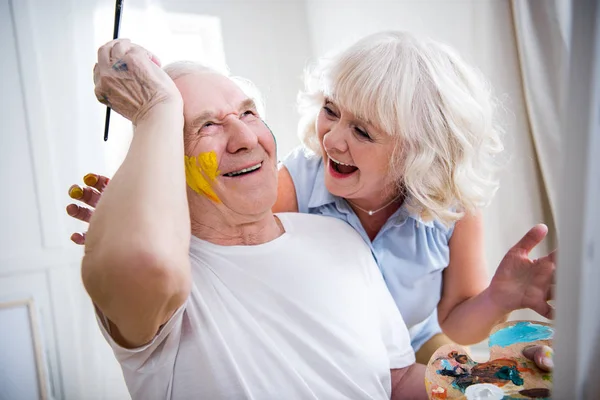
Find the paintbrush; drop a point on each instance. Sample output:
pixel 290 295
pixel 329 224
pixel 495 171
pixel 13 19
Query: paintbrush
pixel 118 11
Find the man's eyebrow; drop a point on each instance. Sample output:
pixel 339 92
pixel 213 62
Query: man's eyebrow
pixel 247 105
pixel 202 118
pixel 210 115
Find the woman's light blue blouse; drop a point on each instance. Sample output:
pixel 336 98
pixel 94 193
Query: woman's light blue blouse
pixel 410 253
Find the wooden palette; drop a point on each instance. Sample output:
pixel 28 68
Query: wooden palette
pixel 451 371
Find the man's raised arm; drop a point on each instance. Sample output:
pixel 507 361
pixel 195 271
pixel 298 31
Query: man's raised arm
pixel 136 266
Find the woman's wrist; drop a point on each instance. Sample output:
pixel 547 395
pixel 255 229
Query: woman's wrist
pixel 494 304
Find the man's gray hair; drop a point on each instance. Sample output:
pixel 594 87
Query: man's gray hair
pixel 180 69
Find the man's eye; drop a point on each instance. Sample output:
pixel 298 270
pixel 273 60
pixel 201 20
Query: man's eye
pixel 247 113
pixel 207 127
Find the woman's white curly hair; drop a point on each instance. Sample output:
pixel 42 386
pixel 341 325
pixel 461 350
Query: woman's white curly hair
pixel 439 111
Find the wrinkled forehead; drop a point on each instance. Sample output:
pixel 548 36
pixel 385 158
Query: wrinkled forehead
pixel 204 92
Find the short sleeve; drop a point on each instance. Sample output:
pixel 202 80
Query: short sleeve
pixel 303 166
pixel 393 329
pixel 157 353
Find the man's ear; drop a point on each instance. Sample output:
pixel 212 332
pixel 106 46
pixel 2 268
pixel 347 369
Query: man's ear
pixel 274 138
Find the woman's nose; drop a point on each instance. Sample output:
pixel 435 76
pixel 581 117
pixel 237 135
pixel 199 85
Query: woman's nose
pixel 335 140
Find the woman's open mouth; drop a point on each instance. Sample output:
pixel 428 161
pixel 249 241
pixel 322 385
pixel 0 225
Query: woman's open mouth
pixel 339 169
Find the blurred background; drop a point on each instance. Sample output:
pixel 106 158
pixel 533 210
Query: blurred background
pixel 52 129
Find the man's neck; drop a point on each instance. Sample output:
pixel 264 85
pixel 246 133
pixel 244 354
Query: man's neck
pixel 236 231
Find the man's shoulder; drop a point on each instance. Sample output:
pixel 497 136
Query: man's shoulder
pixel 317 225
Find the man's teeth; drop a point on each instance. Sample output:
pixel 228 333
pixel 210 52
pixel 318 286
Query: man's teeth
pixel 339 162
pixel 245 170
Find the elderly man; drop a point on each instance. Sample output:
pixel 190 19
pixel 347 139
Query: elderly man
pixel 200 290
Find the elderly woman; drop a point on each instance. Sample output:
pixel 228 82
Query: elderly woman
pixel 400 142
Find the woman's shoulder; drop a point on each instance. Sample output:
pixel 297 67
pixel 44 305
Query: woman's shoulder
pixel 305 169
pixel 301 157
pixel 416 227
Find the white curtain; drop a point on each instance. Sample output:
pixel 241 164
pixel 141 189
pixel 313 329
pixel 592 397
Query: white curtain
pixel 541 32
pixel 577 338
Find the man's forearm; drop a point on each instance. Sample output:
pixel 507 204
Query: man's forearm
pixel 139 234
pixel 146 199
pixel 409 383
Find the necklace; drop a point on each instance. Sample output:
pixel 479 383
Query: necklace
pixel 371 212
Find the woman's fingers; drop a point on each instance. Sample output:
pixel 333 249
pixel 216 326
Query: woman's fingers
pixel 81 213
pixel 98 182
pixel 87 195
pixel 78 238
pixel 551 292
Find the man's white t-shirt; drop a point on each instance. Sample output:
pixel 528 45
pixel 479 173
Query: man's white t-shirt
pixel 305 316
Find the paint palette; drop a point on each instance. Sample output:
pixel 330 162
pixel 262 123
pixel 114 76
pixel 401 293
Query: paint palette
pixel 452 374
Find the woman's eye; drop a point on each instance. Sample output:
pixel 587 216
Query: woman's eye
pixel 247 113
pixel 329 111
pixel 362 133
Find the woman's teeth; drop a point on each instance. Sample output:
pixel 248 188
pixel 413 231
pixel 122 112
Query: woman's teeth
pixel 342 168
pixel 339 162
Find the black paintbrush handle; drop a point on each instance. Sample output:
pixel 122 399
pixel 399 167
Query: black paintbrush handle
pixel 118 10
pixel 106 123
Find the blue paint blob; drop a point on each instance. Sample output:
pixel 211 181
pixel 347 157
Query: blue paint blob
pixel 120 65
pixel 446 364
pixel 521 332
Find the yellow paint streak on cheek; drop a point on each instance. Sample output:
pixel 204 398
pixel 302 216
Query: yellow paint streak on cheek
pixel 200 171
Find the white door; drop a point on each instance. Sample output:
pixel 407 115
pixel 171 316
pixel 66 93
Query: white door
pixel 68 358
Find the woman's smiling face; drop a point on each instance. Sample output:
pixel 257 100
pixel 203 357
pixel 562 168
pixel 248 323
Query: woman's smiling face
pixel 356 155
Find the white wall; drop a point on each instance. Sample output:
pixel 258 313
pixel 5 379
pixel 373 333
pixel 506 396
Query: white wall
pixel 267 42
pixel 36 258
pixel 50 137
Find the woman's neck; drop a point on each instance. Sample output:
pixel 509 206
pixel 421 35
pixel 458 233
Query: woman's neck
pixel 373 219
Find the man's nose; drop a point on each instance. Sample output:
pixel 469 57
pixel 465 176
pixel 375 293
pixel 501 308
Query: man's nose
pixel 241 137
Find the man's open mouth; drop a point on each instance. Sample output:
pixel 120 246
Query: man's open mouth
pixel 244 171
